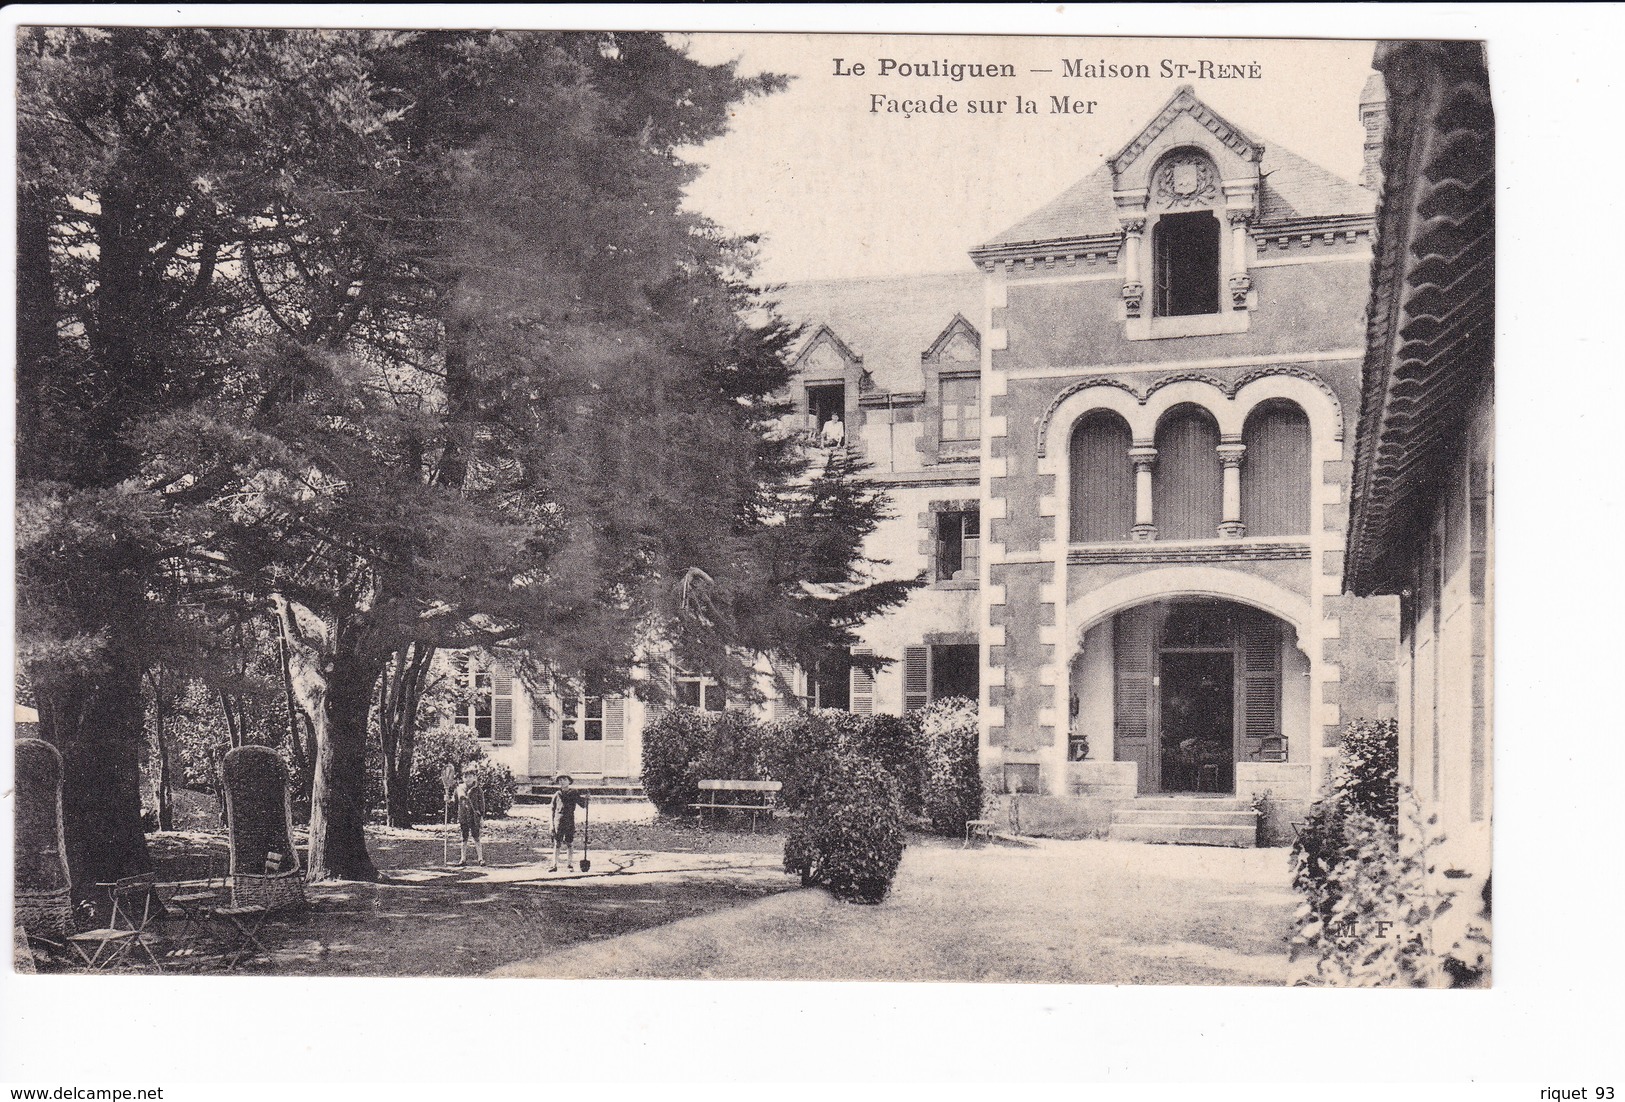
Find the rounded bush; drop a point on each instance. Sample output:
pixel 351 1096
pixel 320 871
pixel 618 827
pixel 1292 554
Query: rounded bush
pixel 952 789
pixel 849 837
pixel 684 747
pixel 670 746
pixel 804 746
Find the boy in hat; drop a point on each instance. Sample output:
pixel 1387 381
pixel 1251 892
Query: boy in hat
pixel 565 801
pixel 470 812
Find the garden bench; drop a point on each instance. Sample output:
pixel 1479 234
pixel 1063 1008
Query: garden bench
pixel 756 797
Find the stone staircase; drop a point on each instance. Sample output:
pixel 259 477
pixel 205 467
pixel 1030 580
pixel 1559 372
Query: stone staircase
pixel 1186 820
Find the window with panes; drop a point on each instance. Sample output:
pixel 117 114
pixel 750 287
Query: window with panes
pixel 961 410
pixel 704 693
pixel 959 542
pixel 581 718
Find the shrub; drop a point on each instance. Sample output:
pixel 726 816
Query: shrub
pixel 799 750
pixel 898 744
pixel 685 746
pixel 453 745
pixel 953 776
pixel 1367 770
pixel 849 837
pixel 670 745
pixel 1371 908
pixel 732 749
pixel 1364 780
pixel 1378 919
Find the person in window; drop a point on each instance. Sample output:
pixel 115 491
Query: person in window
pixel 834 431
pixel 470 812
pixel 565 801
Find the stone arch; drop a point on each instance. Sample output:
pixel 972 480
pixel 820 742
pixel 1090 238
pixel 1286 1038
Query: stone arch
pixel 1308 391
pixel 1186 581
pixel 1079 401
pixel 1201 392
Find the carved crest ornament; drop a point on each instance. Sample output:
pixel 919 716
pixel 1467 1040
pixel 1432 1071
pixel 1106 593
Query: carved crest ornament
pixel 1183 182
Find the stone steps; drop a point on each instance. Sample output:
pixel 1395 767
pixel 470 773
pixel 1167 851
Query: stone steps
pixel 1186 821
pixel 604 793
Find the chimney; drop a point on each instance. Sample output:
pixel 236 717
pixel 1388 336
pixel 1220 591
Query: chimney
pixel 1374 118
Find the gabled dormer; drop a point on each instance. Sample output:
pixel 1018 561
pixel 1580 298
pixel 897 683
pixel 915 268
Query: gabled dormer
pixel 1186 189
pixel 952 368
pixel 1184 218
pixel 829 376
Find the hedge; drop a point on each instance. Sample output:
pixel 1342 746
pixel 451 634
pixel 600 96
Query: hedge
pixel 953 776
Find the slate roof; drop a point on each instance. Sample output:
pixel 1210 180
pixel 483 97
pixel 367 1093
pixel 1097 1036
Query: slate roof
pixel 889 322
pixel 1291 187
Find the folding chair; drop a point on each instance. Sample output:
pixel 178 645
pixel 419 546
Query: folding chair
pixel 245 918
pixel 246 922
pixel 135 904
pixel 192 905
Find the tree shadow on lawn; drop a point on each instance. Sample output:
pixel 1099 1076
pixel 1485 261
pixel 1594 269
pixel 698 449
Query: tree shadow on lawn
pixel 422 919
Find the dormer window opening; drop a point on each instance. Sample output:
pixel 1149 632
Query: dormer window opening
pixel 1186 259
pixel 826 402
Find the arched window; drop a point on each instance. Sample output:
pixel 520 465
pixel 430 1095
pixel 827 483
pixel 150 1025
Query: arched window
pixel 1188 483
pixel 1275 471
pixel 1102 479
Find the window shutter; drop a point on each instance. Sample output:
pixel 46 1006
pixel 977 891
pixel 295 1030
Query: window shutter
pixel 614 718
pixel 1276 471
pixel 1261 678
pixel 916 678
pixel 1133 701
pixel 501 707
pixel 541 721
pixel 784 690
pixel 1102 479
pixel 863 686
pixel 1187 484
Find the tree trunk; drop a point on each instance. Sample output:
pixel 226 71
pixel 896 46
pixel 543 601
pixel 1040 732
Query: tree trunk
pixel 338 809
pixel 400 693
pixel 165 792
pixel 333 688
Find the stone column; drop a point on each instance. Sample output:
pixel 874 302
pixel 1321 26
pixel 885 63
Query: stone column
pixel 1240 282
pixel 1133 289
pixel 1230 454
pixel 1145 528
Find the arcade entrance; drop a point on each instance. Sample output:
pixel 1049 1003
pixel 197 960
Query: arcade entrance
pixel 1197 687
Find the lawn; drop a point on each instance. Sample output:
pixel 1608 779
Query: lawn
pixel 424 919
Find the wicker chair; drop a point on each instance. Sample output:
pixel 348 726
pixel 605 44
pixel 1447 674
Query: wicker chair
pixel 265 868
pixel 44 899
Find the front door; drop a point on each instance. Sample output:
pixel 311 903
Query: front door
pixel 1196 684
pixel 581 736
pixel 1198 717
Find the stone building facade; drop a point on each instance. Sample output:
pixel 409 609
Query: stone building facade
pixel 1119 452
pixel 1165 363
